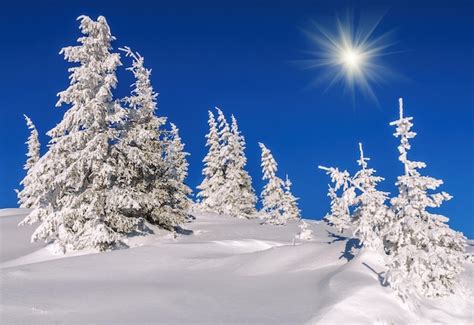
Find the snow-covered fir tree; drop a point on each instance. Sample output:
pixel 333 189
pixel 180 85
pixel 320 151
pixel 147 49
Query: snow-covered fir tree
pixel 76 173
pixel 238 195
pixel 224 134
pixel 290 204
pixel 227 187
pixel 213 170
pixel 141 188
pixel 425 255
pixel 220 199
pixel 371 215
pixel 343 196
pixel 305 232
pixel 174 209
pixel 273 196
pixel 26 197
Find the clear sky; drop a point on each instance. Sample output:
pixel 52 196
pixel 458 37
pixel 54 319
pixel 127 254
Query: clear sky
pixel 240 56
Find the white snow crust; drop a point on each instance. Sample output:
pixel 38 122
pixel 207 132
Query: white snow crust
pixel 218 269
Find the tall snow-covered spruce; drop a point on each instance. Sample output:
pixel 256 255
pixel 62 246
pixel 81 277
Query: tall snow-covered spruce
pixel 425 255
pixel 142 188
pixel 238 193
pixel 26 197
pixel 174 209
pixel 76 173
pixel 273 197
pixel 213 171
pixel 227 186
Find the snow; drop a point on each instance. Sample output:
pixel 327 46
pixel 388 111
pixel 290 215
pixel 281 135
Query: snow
pixel 219 269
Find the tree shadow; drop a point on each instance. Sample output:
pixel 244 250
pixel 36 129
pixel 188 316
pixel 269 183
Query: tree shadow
pixel 336 237
pixel 380 275
pixel 181 231
pixel 141 230
pixel 351 244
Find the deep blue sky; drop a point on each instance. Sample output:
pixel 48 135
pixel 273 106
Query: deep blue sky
pixel 240 56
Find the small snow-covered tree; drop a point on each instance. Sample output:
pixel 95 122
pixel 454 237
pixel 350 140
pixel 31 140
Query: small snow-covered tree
pixel 27 197
pixel 76 173
pixel 176 207
pixel 305 232
pixel 343 196
pixel 290 203
pixel 425 255
pixel 371 215
pixel 273 196
pixel 213 171
pixel 238 196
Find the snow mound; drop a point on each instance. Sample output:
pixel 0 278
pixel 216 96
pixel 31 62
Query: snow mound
pixel 219 269
pixel 247 245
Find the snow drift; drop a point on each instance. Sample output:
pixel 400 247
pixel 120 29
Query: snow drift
pixel 218 269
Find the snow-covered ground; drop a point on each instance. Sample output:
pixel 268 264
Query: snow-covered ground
pixel 218 270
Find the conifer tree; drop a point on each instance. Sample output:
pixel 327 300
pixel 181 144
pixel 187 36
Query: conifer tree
pixel 224 138
pixel 238 195
pixel 26 197
pixel 139 189
pixel 227 187
pixel 272 196
pixel 426 256
pixel 305 232
pixel 176 207
pixel 342 195
pixel 76 173
pixel 371 215
pixel 213 170
pixel 292 212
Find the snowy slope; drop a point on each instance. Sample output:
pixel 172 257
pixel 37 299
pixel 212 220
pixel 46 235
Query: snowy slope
pixel 219 270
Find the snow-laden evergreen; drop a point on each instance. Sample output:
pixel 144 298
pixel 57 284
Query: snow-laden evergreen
pixel 426 256
pixel 371 215
pixel 77 171
pixel 237 192
pixel 290 204
pixel 273 196
pixel 213 172
pixel 224 138
pixel 227 186
pixel 110 166
pixel 357 205
pixel 305 232
pixel 343 196
pixel 174 209
pixel 26 197
pixel 139 186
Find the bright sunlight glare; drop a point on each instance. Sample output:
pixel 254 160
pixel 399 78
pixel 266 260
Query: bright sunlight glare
pixel 351 58
pixel 350 54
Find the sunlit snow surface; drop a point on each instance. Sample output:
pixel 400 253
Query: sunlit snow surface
pixel 219 270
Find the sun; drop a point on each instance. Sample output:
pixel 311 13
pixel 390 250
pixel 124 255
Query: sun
pixel 352 59
pixel 350 54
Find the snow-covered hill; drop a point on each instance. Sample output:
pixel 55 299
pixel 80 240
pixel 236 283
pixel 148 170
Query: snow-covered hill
pixel 218 270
